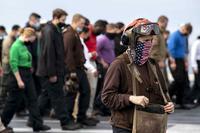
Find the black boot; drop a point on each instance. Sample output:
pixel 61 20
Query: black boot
pixel 71 126
pixel 41 128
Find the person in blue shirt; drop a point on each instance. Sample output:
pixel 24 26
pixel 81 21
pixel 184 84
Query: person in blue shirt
pixel 178 51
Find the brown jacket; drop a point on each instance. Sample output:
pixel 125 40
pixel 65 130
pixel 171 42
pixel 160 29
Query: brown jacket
pixel 74 56
pixel 118 87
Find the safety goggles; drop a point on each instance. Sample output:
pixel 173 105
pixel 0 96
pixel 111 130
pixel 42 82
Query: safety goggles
pixel 147 29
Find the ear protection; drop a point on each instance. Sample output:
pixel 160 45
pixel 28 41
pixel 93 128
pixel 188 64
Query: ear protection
pixel 126 36
pixel 125 39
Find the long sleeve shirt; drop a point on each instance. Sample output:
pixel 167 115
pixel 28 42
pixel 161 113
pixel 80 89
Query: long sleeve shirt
pixel 177 45
pixel 195 54
pixel 19 56
pixel 105 48
pixel 88 63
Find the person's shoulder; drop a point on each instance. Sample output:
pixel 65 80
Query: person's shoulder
pixel 69 31
pixel 7 40
pixel 175 33
pixel 121 60
pixel 101 38
pixel 16 44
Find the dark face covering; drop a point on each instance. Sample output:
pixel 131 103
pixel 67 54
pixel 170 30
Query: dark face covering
pixel 61 25
pixel 86 39
pixel 119 34
pixel 97 32
pixel 111 36
pixel 142 51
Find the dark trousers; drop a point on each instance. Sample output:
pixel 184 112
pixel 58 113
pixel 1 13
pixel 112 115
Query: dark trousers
pixel 180 86
pixel 54 92
pixel 195 94
pixel 84 97
pixel 120 130
pixel 98 105
pixel 17 95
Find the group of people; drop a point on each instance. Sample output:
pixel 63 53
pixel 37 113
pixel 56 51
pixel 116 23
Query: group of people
pixel 78 71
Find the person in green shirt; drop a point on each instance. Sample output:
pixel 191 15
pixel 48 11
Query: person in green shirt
pixel 21 83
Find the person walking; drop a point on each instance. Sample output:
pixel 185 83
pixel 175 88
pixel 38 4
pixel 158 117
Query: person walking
pixel 21 82
pixel 51 69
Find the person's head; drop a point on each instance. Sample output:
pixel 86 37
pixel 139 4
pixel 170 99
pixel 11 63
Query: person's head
pixel 198 37
pixel 186 29
pixel 120 27
pixel 28 34
pixel 166 34
pixel 78 22
pixel 162 22
pixel 15 31
pixel 34 20
pixel 59 16
pixel 138 35
pixel 85 33
pixel 2 30
pixel 100 27
pixel 87 22
pixel 111 30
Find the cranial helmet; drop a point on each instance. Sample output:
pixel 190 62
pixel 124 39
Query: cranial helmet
pixel 139 27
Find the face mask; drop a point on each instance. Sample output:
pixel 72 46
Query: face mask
pixel 142 51
pixel 119 34
pixel 78 29
pixel 86 39
pixel 97 32
pixel 37 26
pixel 61 25
pixel 111 36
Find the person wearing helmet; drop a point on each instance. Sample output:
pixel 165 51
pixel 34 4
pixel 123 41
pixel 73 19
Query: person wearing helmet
pixel 118 91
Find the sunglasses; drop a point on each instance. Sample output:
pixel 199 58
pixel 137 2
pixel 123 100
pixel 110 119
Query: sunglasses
pixel 147 29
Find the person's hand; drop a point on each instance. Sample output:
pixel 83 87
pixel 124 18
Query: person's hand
pixel 195 71
pixel 21 84
pixel 186 65
pixel 94 54
pixel 139 100
pixel 53 79
pixel 105 65
pixel 169 108
pixel 95 73
pixel 173 66
pixel 161 64
pixel 32 70
pixel 172 63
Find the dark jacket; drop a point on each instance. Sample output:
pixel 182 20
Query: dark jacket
pixel 74 56
pixel 33 47
pixel 51 61
pixel 118 87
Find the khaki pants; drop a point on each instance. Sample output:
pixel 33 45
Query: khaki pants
pixel 93 86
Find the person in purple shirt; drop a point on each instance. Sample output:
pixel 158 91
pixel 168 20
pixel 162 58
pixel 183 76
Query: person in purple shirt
pixel 105 46
pixel 106 55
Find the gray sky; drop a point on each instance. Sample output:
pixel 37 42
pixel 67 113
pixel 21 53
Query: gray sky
pixel 178 11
